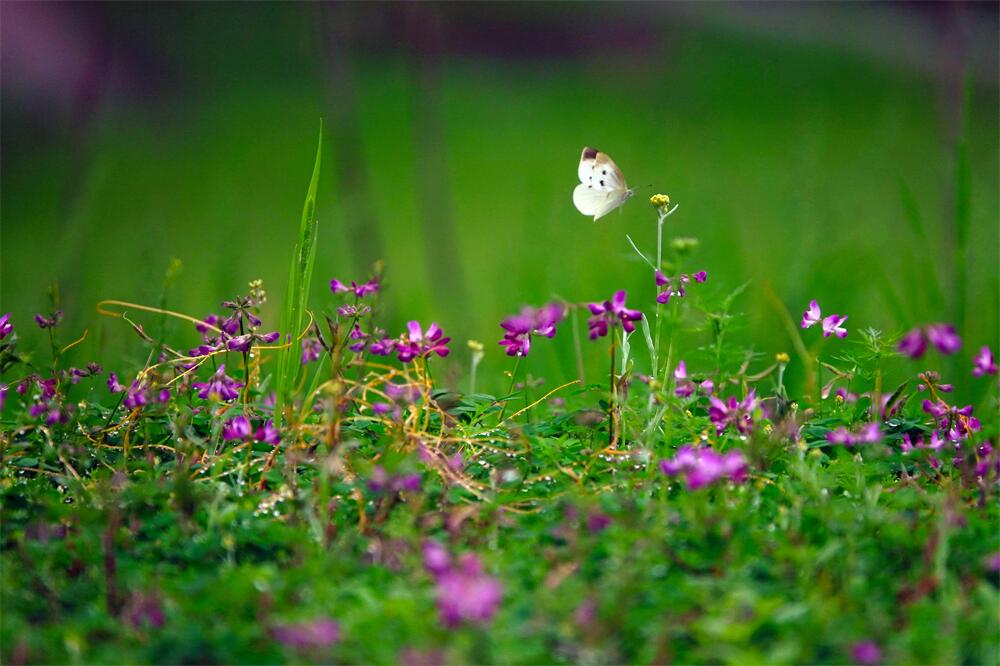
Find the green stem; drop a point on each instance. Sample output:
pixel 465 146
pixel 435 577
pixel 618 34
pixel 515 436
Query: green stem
pixel 510 389
pixel 611 402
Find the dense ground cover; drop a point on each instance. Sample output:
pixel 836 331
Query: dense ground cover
pixel 308 491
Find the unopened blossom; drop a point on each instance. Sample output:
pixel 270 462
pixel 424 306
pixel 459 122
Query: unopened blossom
pixel 984 363
pixel 531 321
pixel 243 312
pixel 359 290
pixel 219 386
pixel 383 347
pixel 703 466
pixel 310 635
pixel 113 384
pixel 676 286
pixel 943 336
pixel 48 322
pixel 237 427
pixel 5 326
pixel 738 414
pixel 352 311
pixel 359 337
pixel 3 396
pixel 163 396
pixel 312 349
pixel 417 342
pixel 609 313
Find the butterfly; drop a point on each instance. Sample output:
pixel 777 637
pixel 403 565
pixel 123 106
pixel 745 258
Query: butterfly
pixel 602 186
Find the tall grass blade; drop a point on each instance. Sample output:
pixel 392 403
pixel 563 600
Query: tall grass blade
pixel 297 294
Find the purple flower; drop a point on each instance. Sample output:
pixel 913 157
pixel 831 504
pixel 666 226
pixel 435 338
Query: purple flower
pixel 237 427
pixel 359 290
pixel 519 328
pixel 833 325
pixel 868 434
pixel 312 348
pixel 359 336
pixel 163 395
pixel 5 326
pixel 866 653
pixel 219 386
pixel 267 433
pixel 243 343
pixel 812 315
pixel 676 286
pixel 732 412
pixel 606 314
pixel 3 396
pixel 436 558
pixel 416 342
pixel 48 322
pixel 984 363
pixel 704 466
pixel 993 561
pixel 314 634
pixel 136 396
pixel 942 336
pixel 113 385
pixel 384 347
pixel 466 594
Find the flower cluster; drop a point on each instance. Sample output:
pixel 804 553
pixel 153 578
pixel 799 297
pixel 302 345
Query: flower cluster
pixel 943 336
pixel 239 427
pixel 868 434
pixel 519 328
pixel 237 332
pixel 608 313
pixel 676 286
pixel 704 466
pixel 381 481
pixel 832 325
pixel 957 422
pixel 219 386
pixel 399 394
pixel 50 321
pixel 414 343
pixel 464 592
pixel 685 387
pixel 733 412
pixel 359 290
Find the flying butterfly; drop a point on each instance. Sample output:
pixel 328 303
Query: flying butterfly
pixel 602 186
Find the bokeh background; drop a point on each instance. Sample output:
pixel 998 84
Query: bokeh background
pixel 847 152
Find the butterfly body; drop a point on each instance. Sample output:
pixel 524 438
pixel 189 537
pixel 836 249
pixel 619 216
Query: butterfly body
pixel 602 186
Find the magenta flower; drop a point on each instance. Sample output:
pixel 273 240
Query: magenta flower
pixel 243 343
pixel 984 363
pixel 383 347
pixel 686 387
pixel 5 326
pixel 236 428
pixel 812 315
pixel 466 594
pixel 312 635
pixel 833 325
pixel 49 322
pixel 219 386
pixel 868 434
pixel 704 466
pixel 732 412
pixel 866 653
pixel 676 286
pixel 416 342
pixel 519 328
pixel 267 433
pixel 312 348
pixel 942 336
pixel 608 313
pixel 436 558
pixel 359 290
pixel 136 396
pixel 113 384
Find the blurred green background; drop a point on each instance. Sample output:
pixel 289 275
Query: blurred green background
pixel 795 138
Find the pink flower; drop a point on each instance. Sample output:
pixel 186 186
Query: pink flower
pixel 984 363
pixel 812 315
pixel 942 336
pixel 833 325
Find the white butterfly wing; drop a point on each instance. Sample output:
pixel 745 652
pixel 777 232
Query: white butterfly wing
pixel 598 203
pixel 602 186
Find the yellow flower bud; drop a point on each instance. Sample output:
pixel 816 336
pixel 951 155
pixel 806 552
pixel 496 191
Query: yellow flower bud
pixel 659 200
pixel 782 357
pixel 475 345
